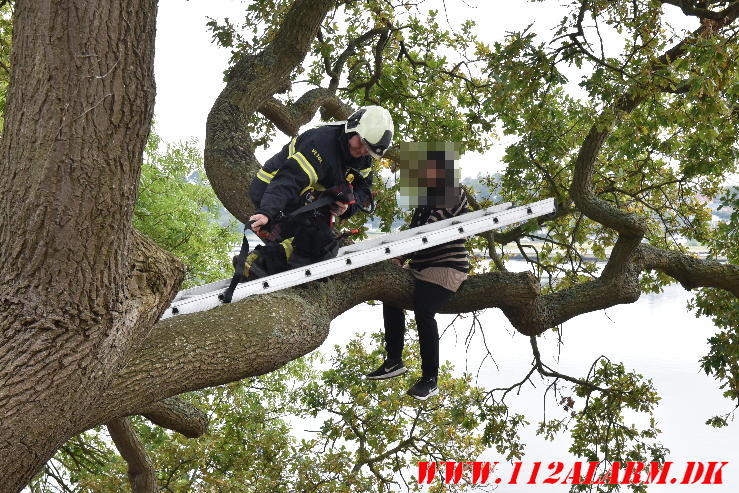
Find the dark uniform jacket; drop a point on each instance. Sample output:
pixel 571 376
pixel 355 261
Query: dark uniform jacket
pixel 318 158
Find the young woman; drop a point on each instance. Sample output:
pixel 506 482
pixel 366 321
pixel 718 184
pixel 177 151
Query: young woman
pixel 439 271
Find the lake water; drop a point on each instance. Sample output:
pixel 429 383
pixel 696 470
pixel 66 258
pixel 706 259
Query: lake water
pixel 656 336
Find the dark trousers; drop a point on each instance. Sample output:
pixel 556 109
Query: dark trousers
pixel 428 298
pixel 313 239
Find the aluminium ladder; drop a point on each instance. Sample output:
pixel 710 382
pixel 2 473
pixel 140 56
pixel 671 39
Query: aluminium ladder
pixel 364 253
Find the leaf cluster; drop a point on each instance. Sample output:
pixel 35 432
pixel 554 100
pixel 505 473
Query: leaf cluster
pixel 177 208
pixel 722 360
pixel 615 425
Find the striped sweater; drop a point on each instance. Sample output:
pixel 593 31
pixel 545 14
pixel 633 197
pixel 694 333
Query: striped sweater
pixel 453 254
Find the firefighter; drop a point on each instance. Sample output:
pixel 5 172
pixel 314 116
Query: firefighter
pixel 318 160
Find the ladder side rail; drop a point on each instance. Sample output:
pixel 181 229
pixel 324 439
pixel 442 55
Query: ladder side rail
pixel 421 229
pixel 203 289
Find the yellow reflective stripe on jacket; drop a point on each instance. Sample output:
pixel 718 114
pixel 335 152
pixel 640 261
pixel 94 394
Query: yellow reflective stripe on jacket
pixel 265 176
pixel 287 245
pixel 317 187
pixel 365 172
pixel 303 162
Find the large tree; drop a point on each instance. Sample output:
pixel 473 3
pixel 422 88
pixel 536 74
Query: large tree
pixel 81 290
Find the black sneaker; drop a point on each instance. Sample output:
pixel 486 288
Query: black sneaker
pixel 388 369
pixel 424 388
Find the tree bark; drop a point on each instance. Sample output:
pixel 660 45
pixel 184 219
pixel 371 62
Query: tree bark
pixel 79 108
pixel 177 415
pixel 141 472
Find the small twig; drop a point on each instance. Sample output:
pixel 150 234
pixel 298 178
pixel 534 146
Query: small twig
pixel 548 372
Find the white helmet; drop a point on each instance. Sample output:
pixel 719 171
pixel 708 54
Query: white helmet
pixel 374 125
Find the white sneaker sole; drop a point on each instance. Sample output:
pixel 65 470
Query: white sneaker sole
pixel 423 398
pixel 392 374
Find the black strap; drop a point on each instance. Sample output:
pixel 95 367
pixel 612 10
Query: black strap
pixel 239 265
pixel 341 193
pixel 326 199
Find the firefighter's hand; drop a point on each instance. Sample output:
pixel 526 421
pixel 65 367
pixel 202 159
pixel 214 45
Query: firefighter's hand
pixel 258 220
pixel 339 208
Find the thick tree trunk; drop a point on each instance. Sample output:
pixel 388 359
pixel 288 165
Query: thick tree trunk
pixel 79 109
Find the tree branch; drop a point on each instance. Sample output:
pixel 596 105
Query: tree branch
pixel 377 70
pixel 5 68
pixel 689 8
pixel 177 415
pixel 379 458
pixel 544 370
pixel 141 472
pixel 289 119
pixel 689 271
pixel 223 345
pixel 451 73
pixel 351 49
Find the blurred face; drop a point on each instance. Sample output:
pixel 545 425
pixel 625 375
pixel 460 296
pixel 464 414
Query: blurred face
pixel 357 148
pixel 430 175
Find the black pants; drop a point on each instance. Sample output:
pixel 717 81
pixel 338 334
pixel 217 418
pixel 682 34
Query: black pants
pixel 428 298
pixel 313 238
